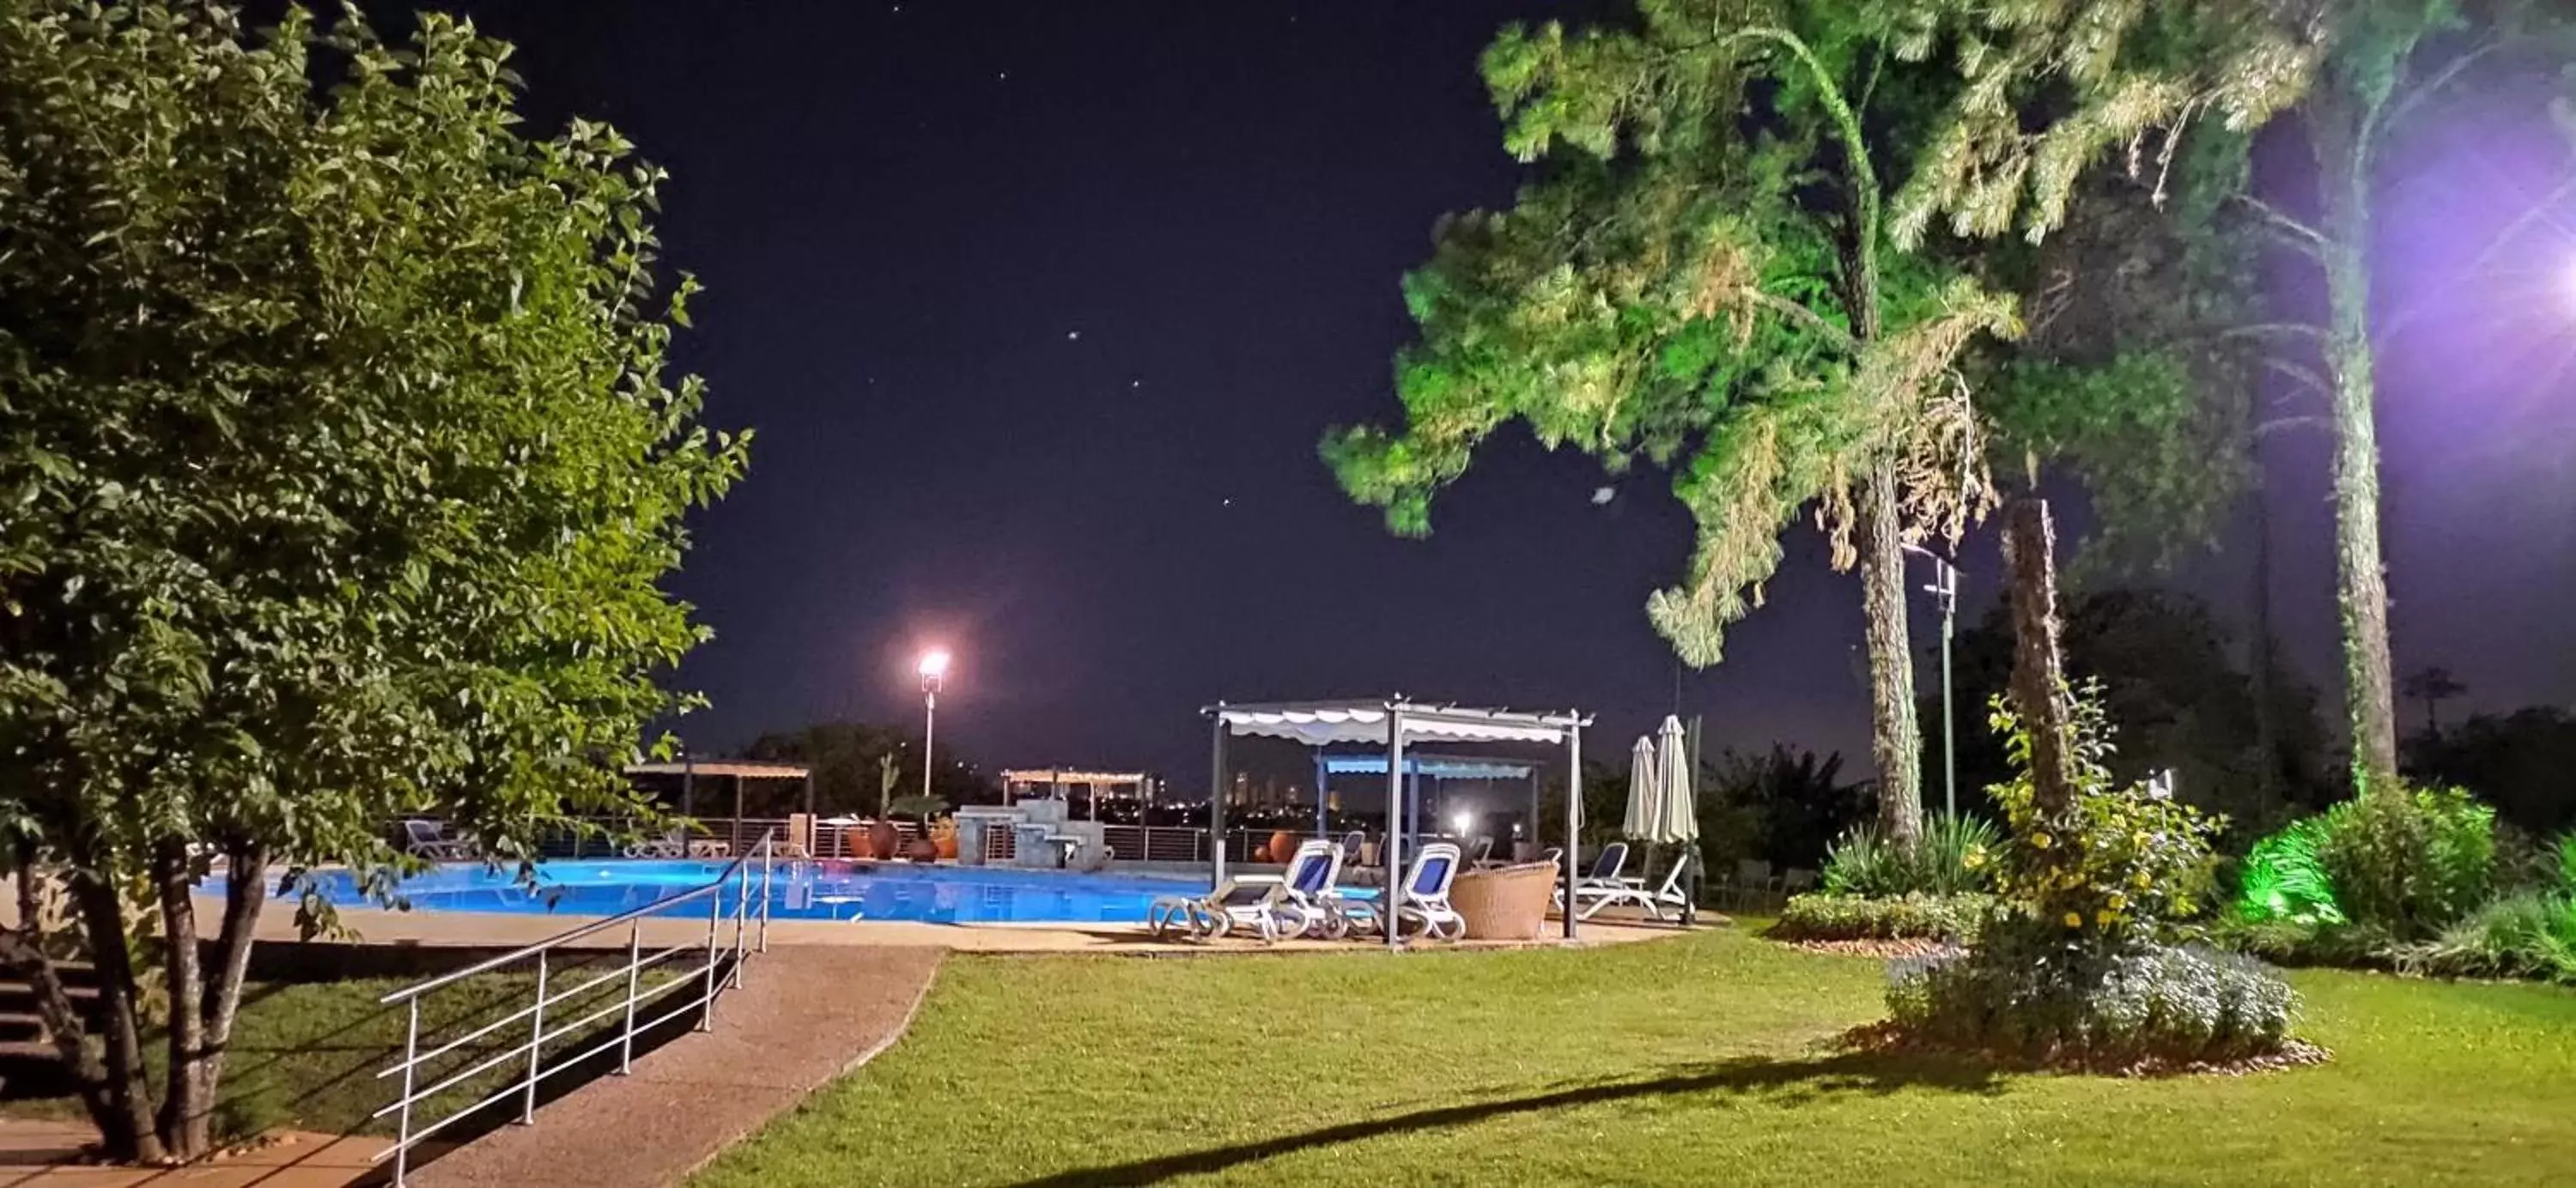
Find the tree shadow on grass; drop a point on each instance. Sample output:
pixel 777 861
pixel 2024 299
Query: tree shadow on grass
pixel 1793 1082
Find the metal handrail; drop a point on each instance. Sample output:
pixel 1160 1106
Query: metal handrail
pixel 746 940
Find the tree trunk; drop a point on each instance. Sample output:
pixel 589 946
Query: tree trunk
pixel 245 892
pixel 2362 579
pixel 2038 681
pixel 185 1100
pixel 1894 740
pixel 2263 656
pixel 125 1124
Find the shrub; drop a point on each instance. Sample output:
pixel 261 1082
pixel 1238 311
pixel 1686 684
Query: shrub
pixel 2567 862
pixel 2029 992
pixel 1906 917
pixel 1953 856
pixel 2114 865
pixel 2530 935
pixel 2409 862
pixel 2284 878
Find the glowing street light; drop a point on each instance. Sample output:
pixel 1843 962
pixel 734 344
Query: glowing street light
pixel 933 669
pixel 1462 819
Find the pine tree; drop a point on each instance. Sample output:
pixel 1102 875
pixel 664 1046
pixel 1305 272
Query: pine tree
pixel 1705 276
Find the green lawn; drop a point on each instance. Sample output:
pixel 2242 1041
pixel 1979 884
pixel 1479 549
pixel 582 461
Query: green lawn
pixel 305 1054
pixel 1698 1060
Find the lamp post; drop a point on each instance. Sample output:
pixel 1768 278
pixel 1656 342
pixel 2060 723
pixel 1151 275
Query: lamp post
pixel 1945 587
pixel 933 667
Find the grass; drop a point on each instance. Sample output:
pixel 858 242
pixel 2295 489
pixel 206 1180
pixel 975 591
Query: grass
pixel 305 1054
pixel 1698 1060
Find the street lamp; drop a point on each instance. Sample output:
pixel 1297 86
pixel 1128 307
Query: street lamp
pixel 933 668
pixel 1945 586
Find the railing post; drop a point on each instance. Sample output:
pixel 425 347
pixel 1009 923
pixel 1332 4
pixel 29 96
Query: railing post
pixel 715 919
pixel 402 1129
pixel 768 856
pixel 536 1045
pixel 741 915
pixel 634 970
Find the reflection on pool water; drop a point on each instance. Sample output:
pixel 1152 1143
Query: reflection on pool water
pixel 797 891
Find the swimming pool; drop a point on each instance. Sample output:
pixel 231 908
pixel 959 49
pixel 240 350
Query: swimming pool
pixel 798 891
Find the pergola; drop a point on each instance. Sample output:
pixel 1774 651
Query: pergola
pixel 739 770
pixel 1054 780
pixel 1418 767
pixel 1394 721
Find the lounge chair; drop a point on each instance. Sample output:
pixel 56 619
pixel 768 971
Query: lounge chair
pixel 430 840
pixel 1290 905
pixel 1591 897
pixel 1484 849
pixel 1606 867
pixel 1425 901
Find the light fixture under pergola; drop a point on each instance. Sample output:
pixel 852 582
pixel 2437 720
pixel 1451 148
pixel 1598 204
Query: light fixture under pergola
pixel 1394 722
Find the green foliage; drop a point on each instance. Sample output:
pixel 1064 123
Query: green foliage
pixel 2409 863
pixel 2284 878
pixel 2566 851
pixel 342 460
pixel 2526 935
pixel 1910 916
pixel 1955 855
pixel 2028 993
pixel 2116 864
pixel 919 807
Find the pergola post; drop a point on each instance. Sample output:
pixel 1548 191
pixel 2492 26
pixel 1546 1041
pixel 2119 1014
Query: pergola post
pixel 1216 794
pixel 1573 814
pixel 1535 847
pixel 733 835
pixel 1323 782
pixel 1393 900
pixel 809 793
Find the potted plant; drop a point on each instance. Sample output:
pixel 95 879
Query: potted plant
pixel 921 809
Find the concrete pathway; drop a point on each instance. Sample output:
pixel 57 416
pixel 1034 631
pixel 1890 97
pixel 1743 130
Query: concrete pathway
pixel 804 1016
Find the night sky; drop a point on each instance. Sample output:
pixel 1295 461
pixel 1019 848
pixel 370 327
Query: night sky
pixel 1038 310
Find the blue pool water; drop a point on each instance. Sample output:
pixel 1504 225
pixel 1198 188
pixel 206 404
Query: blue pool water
pixel 798 891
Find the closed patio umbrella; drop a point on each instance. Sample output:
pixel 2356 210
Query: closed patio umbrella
pixel 1676 818
pixel 1643 771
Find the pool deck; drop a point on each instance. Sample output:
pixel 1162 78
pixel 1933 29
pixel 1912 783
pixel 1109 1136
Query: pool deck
pixel 512 929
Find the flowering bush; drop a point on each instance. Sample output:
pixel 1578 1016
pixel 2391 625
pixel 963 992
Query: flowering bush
pixel 2033 995
pixel 1905 917
pixel 2115 863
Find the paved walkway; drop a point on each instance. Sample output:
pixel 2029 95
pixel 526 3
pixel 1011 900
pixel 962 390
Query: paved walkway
pixel 804 1016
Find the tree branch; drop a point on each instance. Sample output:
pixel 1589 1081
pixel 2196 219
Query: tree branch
pixel 1804 316
pixel 2307 330
pixel 2391 116
pixel 2280 424
pixel 1864 179
pixel 2301 235
pixel 2302 373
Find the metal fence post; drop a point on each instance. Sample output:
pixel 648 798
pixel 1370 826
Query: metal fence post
pixel 536 1045
pixel 768 855
pixel 741 916
pixel 634 969
pixel 715 919
pixel 402 1129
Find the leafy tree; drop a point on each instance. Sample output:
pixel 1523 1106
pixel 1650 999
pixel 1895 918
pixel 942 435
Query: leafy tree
pixel 2172 695
pixel 341 467
pixel 859 765
pixel 1703 278
pixel 1785 805
pixel 2433 686
pixel 2390 62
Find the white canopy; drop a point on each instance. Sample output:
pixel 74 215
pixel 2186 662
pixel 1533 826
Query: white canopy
pixel 1318 723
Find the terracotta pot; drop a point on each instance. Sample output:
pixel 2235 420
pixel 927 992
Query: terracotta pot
pixel 920 850
pixel 947 847
pixel 883 841
pixel 1283 844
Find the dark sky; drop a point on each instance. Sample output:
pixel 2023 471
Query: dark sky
pixel 1038 310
